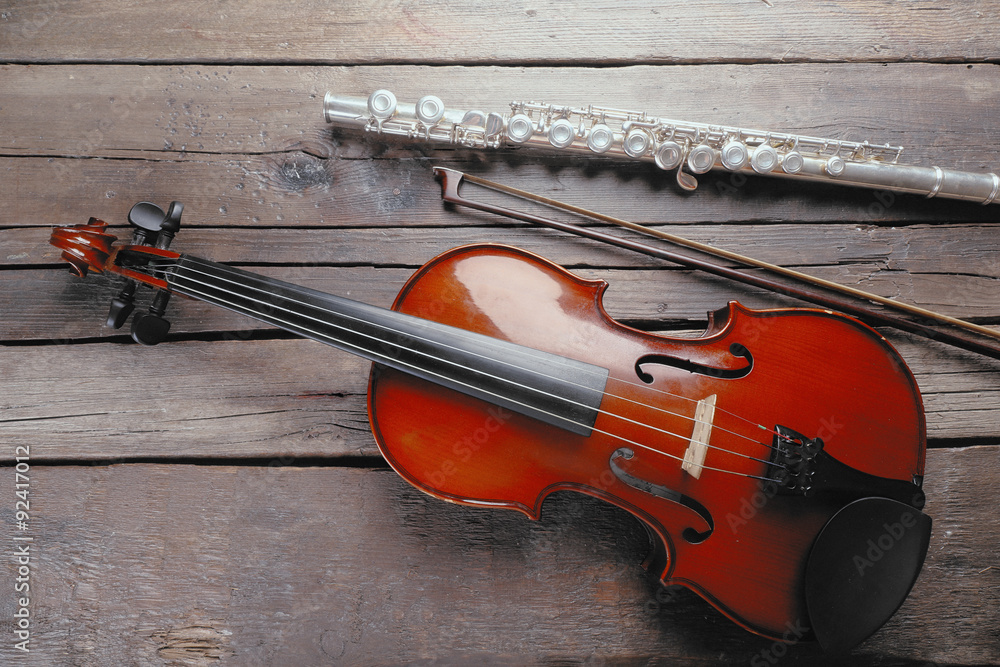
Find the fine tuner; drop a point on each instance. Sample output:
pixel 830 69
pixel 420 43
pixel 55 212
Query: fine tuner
pixel 690 148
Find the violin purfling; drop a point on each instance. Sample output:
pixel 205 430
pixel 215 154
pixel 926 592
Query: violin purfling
pixel 777 460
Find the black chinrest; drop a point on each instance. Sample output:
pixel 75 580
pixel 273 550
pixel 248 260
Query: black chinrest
pixel 861 567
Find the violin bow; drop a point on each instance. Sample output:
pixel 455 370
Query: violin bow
pixel 452 179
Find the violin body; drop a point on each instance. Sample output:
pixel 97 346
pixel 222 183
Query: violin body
pixel 776 460
pixel 817 372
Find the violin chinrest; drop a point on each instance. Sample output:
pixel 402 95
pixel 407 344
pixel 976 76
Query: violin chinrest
pixel 861 567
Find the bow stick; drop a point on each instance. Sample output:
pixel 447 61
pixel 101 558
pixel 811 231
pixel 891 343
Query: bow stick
pixel 451 180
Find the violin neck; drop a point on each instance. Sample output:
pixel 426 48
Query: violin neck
pixel 554 389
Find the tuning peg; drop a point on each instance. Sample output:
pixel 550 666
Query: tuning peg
pixel 122 306
pixel 149 329
pixel 154 226
pixel 146 215
pixel 152 328
pixel 170 225
pixel 172 222
pixel 145 218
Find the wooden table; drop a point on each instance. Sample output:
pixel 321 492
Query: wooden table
pixel 219 499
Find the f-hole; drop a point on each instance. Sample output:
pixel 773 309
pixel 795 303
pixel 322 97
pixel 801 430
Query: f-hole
pixel 689 534
pixel 736 349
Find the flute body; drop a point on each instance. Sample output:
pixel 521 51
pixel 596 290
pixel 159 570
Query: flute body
pixel 687 147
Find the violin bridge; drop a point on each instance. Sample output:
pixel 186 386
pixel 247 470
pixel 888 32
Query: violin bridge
pixel 694 457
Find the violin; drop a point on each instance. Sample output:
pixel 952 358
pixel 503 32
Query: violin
pixel 776 460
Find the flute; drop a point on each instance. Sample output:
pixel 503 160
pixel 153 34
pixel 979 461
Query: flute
pixel 688 147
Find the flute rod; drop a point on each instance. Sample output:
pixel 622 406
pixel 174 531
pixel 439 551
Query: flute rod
pixel 451 180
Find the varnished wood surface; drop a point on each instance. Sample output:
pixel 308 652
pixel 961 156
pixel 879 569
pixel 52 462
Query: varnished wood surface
pixel 218 499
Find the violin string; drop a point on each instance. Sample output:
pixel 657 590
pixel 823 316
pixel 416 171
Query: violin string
pixel 626 382
pixel 420 322
pixel 644 387
pixel 770 431
pixel 163 268
pixel 320 336
pixel 681 397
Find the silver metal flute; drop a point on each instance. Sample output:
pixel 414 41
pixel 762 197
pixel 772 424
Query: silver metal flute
pixel 690 148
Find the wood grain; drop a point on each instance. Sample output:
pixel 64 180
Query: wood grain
pixel 922 250
pixel 240 149
pixel 926 266
pixel 194 564
pixel 250 398
pixel 232 109
pixel 488 31
pixel 218 499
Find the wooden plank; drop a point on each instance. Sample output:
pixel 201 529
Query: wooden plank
pixel 937 111
pixel 492 31
pixel 216 139
pixel 52 305
pixel 241 399
pixel 863 253
pixel 282 398
pixel 950 269
pixel 915 249
pixel 178 564
pixel 258 191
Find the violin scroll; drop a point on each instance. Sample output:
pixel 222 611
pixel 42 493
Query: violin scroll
pixel 85 247
pixel 90 247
